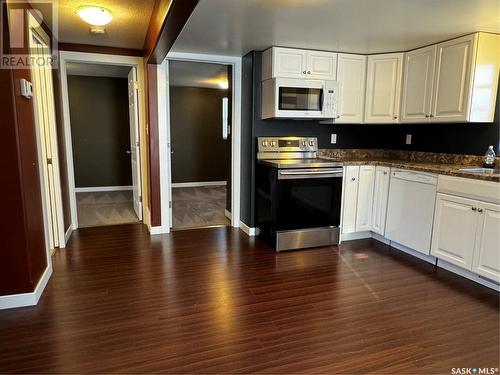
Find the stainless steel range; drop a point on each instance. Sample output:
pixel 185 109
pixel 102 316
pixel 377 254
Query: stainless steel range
pixel 298 195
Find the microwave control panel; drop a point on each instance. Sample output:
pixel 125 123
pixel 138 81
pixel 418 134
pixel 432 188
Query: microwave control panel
pixel 330 92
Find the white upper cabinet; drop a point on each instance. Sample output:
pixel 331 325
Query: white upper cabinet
pixel 487 251
pixel 416 99
pixel 383 88
pixel 453 79
pixel 466 79
pixel 321 65
pixel 351 77
pixel 297 63
pixel 380 198
pixel 365 198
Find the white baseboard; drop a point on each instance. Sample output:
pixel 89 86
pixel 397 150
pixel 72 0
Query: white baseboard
pixel 198 184
pixel 26 299
pixel 415 253
pixel 102 188
pixel 467 274
pixel 355 236
pixel 158 230
pixel 249 231
pixel 228 214
pixel 67 235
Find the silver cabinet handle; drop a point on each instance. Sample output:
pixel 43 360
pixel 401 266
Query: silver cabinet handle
pixel 308 72
pixel 304 72
pixel 385 172
pixel 353 179
pixel 474 209
pixel 128 152
pixel 395 117
pixel 426 116
pixel 431 115
pixel 480 210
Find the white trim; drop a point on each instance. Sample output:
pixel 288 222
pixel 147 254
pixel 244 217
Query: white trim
pixel 247 230
pixel 27 299
pixel 198 184
pixel 467 274
pixel 159 230
pixel 355 236
pixel 235 62
pixel 102 188
pixel 415 253
pixel 163 147
pixel 68 233
pixel 228 214
pixel 98 58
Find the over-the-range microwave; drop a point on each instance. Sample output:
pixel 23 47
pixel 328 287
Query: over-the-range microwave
pixel 299 98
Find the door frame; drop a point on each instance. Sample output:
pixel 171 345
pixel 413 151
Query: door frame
pixel 164 131
pixel 104 59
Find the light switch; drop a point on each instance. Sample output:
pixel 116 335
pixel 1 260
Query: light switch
pixel 408 139
pixel 333 138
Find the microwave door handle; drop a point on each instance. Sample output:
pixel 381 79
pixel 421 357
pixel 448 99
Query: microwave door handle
pixel 323 99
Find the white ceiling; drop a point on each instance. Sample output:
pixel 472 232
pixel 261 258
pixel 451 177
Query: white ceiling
pixel 194 74
pixel 97 70
pixel 235 27
pixel 127 29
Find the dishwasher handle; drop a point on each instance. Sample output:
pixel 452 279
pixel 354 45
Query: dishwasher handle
pixel 415 177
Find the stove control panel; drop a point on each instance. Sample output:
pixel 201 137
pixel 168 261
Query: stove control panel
pixel 287 144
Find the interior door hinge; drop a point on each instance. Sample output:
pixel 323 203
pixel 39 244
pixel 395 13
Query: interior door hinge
pixel 49 160
pixel 140 198
pixel 136 85
pixel 169 204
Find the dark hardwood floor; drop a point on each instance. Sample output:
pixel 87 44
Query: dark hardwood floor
pixel 214 301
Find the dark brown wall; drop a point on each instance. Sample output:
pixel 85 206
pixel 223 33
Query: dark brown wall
pixel 200 153
pixel 100 131
pixel 22 243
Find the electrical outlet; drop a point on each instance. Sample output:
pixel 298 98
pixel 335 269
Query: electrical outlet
pixel 408 139
pixel 333 139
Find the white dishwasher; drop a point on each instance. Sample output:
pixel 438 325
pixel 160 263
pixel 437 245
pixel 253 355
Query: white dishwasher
pixel 410 211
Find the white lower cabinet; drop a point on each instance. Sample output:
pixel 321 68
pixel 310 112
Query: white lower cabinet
pixel 487 250
pixel 365 198
pixel 466 234
pixel 350 199
pixel 455 223
pixel 380 196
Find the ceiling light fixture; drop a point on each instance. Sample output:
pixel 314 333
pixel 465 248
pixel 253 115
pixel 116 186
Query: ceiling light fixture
pixel 223 84
pixel 94 15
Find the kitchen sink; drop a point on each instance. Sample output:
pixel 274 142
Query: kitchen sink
pixel 478 170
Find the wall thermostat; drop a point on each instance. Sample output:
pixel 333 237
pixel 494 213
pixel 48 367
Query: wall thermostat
pixel 26 88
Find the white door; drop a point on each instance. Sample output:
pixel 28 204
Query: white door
pixel 365 198
pixel 454 233
pixel 135 152
pixel 289 63
pixel 380 196
pixel 43 96
pixel 452 82
pixel 383 91
pixel 350 199
pixel 417 84
pixel 321 65
pixel 487 252
pixel 351 77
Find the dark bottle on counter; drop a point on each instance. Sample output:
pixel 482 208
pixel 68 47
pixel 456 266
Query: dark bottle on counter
pixel 489 158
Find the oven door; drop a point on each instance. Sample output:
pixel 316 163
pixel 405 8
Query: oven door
pixel 308 198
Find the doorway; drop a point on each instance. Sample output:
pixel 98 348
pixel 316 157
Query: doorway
pixel 104 125
pixel 200 137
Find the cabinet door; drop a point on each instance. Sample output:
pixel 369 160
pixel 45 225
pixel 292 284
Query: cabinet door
pixel 380 196
pixel 454 233
pixel 350 199
pixel 453 78
pixel 351 77
pixel 289 63
pixel 487 252
pixel 383 91
pixel 321 65
pixel 365 198
pixel 417 84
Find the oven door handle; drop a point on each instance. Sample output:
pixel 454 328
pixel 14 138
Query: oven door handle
pixel 283 175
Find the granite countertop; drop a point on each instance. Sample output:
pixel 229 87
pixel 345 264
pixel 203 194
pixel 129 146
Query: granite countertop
pixel 444 164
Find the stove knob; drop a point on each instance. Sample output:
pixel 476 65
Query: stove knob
pixel 311 143
pixel 273 143
pixel 304 143
pixel 264 143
